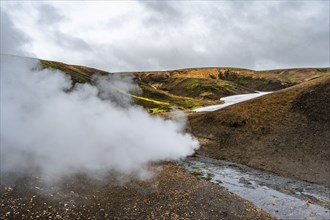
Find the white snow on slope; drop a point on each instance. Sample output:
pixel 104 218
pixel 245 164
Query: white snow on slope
pixel 231 100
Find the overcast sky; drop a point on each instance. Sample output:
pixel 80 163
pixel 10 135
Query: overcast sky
pixel 150 35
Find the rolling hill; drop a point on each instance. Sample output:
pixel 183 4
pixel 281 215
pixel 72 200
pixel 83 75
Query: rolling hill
pixel 188 89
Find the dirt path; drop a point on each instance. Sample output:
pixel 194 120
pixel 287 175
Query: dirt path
pixel 172 194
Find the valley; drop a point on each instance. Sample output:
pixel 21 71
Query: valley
pixel 283 130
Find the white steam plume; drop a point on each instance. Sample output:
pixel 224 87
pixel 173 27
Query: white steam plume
pixel 61 132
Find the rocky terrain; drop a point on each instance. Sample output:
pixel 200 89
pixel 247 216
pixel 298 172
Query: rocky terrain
pixel 171 194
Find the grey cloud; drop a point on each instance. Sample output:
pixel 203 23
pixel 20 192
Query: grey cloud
pixel 295 35
pixel 170 35
pixel 162 13
pixel 250 35
pixel 12 39
pixel 161 7
pixel 50 18
pixel 164 9
pixel 49 15
pixel 70 42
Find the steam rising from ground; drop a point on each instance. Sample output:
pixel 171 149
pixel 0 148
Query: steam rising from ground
pixel 44 124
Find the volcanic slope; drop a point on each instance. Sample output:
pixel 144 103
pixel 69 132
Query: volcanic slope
pixel 187 89
pixel 286 132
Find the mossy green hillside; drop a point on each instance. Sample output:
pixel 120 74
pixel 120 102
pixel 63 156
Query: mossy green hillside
pixel 165 101
pixel 202 88
pixel 195 87
pixel 152 99
pixel 78 74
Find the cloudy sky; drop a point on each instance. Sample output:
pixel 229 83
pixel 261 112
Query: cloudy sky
pixel 150 35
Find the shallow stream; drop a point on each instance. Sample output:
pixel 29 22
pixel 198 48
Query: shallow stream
pixel 281 197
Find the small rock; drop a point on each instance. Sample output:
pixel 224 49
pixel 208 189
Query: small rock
pixel 9 189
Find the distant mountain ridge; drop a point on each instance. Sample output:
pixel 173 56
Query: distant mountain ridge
pixel 187 89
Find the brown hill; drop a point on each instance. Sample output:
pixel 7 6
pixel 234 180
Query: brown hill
pixel 265 80
pixel 287 132
pixel 195 87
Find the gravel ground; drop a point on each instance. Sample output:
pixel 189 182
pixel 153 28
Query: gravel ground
pixel 171 194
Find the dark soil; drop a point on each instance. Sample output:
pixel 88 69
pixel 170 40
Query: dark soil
pixel 314 103
pixel 171 194
pixel 286 132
